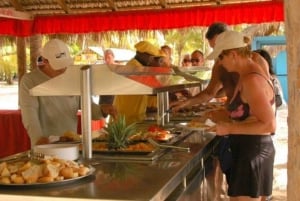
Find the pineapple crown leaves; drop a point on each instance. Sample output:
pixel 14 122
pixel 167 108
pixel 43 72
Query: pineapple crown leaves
pixel 119 133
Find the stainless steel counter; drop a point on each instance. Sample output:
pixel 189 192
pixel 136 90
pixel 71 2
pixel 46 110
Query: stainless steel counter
pixel 163 179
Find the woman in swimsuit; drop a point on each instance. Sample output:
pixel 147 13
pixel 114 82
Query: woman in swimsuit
pixel 252 111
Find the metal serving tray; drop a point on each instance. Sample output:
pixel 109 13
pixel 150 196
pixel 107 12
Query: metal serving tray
pixel 53 183
pixel 143 155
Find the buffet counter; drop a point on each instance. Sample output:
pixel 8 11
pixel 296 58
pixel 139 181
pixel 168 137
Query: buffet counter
pixel 170 176
pixel 166 178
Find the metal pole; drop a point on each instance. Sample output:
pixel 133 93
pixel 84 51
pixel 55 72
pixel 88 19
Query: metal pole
pixel 86 122
pixel 160 109
pixel 166 107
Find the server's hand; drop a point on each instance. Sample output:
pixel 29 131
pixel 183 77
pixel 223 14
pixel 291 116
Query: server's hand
pixel 108 109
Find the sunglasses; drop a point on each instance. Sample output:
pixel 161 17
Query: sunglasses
pixel 195 60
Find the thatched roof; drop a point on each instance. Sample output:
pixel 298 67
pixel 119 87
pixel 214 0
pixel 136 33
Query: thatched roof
pixel 52 7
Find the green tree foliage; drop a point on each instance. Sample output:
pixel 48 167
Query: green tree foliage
pixel 8 63
pixel 182 41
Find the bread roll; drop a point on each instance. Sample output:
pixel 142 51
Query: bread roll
pixel 17 179
pixel 5 172
pixel 26 166
pixel 32 174
pixel 59 178
pixel 50 170
pixel 75 174
pixel 5 180
pixel 67 172
pixel 13 168
pixel 83 171
pixel 2 166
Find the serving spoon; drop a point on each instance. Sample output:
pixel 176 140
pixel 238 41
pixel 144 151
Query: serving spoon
pixel 154 143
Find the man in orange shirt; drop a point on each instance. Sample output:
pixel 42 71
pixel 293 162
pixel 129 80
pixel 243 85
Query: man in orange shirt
pixel 133 107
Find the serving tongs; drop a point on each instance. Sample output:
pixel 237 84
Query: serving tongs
pixel 154 143
pixel 29 154
pixel 186 76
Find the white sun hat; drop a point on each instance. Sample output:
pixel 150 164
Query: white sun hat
pixel 57 53
pixel 228 40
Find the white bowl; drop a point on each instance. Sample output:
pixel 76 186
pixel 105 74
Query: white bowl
pixel 63 151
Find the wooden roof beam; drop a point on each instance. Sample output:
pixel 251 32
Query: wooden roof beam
pixel 12 13
pixel 112 4
pixel 63 5
pixel 163 3
pixel 16 4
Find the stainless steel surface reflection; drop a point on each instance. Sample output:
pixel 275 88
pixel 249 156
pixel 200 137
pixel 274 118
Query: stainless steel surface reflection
pixel 130 179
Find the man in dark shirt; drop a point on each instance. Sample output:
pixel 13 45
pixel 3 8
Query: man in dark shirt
pixel 222 83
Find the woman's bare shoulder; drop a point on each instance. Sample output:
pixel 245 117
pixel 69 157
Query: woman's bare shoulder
pixel 259 60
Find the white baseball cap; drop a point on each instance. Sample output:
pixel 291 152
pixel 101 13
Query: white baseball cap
pixel 57 53
pixel 228 40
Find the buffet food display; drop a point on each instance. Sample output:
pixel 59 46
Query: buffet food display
pixel 117 144
pixel 42 171
pixel 119 138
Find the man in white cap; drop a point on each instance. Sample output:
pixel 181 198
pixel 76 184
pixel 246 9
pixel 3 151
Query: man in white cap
pixel 43 116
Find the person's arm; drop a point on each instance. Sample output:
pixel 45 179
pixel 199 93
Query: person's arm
pixel 257 92
pixel 30 110
pixel 100 111
pixel 206 95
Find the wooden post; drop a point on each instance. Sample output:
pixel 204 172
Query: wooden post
pixel 35 45
pixel 292 28
pixel 21 56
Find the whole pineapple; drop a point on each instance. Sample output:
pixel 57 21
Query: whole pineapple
pixel 119 133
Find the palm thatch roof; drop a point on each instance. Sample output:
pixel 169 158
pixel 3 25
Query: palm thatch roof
pixel 52 7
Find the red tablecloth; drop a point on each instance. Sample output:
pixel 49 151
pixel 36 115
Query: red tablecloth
pixel 13 136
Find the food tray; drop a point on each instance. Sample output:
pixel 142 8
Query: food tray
pixel 168 139
pixel 126 152
pixel 185 126
pixel 54 183
pixel 128 155
pixel 179 135
pixel 141 137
